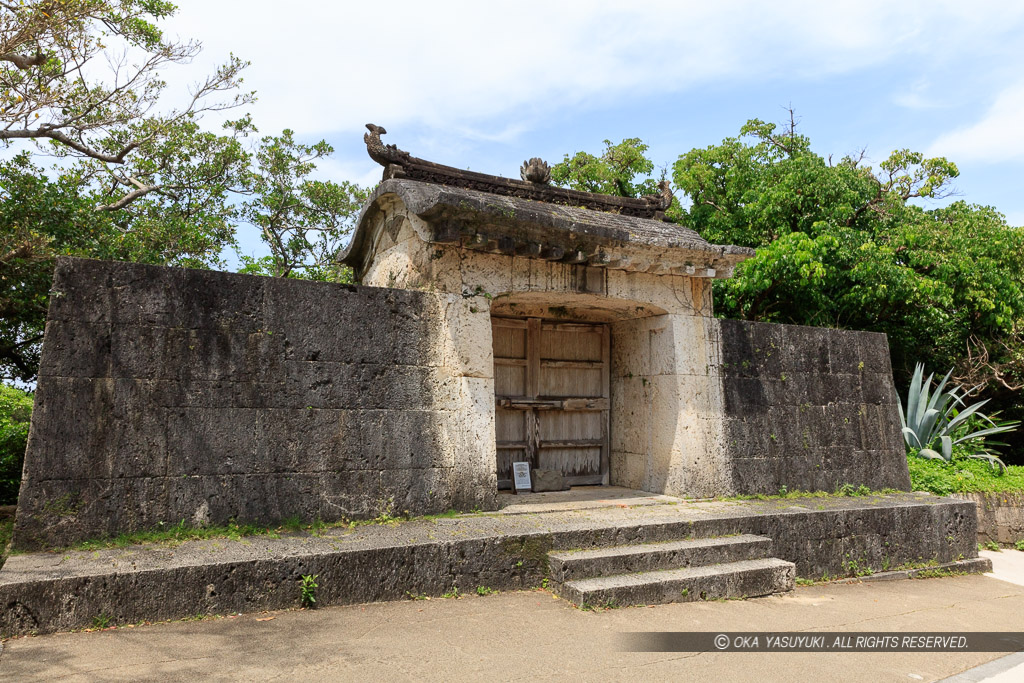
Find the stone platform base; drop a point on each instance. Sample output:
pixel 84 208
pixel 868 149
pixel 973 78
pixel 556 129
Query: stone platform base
pixel 1000 516
pixel 55 591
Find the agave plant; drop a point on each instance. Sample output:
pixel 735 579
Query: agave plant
pixel 935 421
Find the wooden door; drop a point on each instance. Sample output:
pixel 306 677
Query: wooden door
pixel 551 383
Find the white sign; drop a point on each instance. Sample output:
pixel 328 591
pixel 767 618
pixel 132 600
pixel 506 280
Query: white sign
pixel 521 475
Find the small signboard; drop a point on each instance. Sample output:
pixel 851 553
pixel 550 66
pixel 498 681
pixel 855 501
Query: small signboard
pixel 521 476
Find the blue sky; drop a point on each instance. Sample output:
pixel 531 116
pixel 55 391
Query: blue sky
pixel 486 85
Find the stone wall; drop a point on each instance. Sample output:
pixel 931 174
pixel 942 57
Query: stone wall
pixel 1000 515
pixel 704 407
pixel 823 536
pixel 167 394
pixel 809 408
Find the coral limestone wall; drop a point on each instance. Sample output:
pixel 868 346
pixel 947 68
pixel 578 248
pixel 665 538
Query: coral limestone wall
pixel 809 408
pixel 167 394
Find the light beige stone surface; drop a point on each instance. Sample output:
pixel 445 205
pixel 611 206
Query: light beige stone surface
pixel 665 389
pixel 666 430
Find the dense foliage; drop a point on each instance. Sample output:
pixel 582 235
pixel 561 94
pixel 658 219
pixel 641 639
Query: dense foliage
pixel 304 222
pixel 620 170
pixel 15 413
pixel 963 476
pixel 840 244
pixel 137 182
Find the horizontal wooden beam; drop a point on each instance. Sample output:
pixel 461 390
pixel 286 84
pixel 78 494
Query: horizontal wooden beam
pixel 517 323
pixel 566 404
pixel 572 327
pixel 569 363
pixel 573 443
pixel 584 404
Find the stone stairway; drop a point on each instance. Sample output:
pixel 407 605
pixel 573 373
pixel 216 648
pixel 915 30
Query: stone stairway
pixel 673 571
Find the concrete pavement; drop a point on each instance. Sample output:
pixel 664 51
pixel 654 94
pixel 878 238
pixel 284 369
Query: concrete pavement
pixel 1007 565
pixel 529 635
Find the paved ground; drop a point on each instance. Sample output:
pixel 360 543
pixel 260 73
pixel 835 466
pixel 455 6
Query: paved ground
pixel 531 636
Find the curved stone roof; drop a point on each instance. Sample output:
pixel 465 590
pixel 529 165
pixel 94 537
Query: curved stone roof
pixel 513 225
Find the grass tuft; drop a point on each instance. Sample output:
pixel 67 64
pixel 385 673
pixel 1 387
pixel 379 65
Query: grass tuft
pixel 176 534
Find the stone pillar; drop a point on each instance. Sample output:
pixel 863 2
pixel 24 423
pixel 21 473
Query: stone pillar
pixel 465 345
pixel 666 407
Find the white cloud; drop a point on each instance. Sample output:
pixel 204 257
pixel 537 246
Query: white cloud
pixel 490 70
pixel 997 136
pixel 919 95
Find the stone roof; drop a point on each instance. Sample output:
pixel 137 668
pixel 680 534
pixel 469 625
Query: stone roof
pixel 535 183
pixel 503 224
pixel 533 219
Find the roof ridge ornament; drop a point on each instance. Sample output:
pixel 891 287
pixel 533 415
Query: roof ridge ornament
pixel 536 170
pixel 664 196
pixel 385 155
pixel 535 185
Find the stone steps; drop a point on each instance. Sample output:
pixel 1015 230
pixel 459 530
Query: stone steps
pixel 629 559
pixel 743 579
pixel 673 571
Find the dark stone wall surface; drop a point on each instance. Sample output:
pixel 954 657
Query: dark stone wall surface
pixel 824 537
pixel 809 408
pixel 168 394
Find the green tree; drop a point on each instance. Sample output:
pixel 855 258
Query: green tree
pixel 843 245
pixel 86 75
pixel 840 244
pixel 83 80
pixel 15 414
pixel 623 170
pixel 43 216
pixel 304 222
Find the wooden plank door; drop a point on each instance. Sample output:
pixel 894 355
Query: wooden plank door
pixel 551 385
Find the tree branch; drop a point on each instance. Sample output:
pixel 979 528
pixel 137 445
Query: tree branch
pixel 137 193
pixel 22 62
pixel 70 142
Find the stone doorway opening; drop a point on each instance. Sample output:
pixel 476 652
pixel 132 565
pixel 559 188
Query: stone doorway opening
pixel 552 398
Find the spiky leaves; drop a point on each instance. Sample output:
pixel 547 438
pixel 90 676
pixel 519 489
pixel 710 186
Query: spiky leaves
pixel 935 420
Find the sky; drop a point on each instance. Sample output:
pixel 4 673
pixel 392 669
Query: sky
pixel 485 85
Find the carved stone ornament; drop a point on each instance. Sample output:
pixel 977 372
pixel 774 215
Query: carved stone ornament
pixel 664 196
pixel 385 155
pixel 535 185
pixel 535 170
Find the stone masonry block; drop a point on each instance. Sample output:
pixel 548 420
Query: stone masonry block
pixel 70 424
pixel 827 423
pixel 82 291
pixel 844 352
pixel 211 441
pixel 76 349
